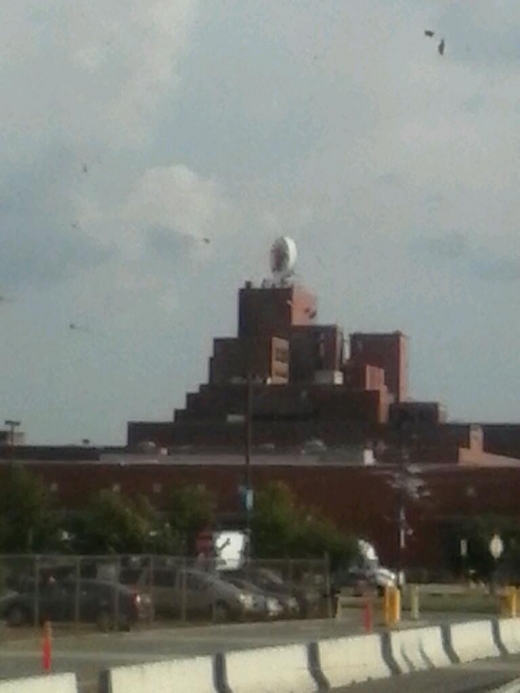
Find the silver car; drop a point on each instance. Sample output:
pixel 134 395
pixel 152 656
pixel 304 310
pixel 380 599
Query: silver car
pixel 186 592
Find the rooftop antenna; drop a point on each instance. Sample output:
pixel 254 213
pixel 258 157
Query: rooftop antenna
pixel 283 259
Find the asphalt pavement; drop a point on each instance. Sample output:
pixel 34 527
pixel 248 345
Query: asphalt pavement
pixel 477 677
pixel 89 653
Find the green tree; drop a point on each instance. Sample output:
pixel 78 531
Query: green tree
pixel 191 510
pixel 282 529
pixel 112 524
pixel 274 522
pixel 27 521
pixel 477 533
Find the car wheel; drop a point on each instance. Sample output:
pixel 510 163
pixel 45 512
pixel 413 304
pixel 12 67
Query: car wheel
pixel 104 621
pixel 17 616
pixel 222 612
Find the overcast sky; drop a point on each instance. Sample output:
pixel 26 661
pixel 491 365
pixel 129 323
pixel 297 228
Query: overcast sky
pixel 129 134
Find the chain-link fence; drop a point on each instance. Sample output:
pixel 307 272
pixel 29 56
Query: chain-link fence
pixel 121 592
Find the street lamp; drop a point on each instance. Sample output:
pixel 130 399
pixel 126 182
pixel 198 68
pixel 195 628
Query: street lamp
pixel 12 425
pixel 248 493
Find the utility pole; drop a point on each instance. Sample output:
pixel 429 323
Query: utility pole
pixel 402 524
pixel 12 425
pixel 248 497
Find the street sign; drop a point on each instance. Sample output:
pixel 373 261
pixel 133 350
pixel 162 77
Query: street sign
pixel 496 547
pixel 464 548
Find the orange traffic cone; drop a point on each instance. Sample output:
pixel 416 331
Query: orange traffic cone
pixel 47 647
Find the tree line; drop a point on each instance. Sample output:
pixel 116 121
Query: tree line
pixel 112 523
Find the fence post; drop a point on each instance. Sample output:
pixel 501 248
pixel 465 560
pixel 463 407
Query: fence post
pixel 414 602
pixel 77 592
pixel 152 587
pixel 36 592
pixel 328 588
pixel 183 591
pixel 117 578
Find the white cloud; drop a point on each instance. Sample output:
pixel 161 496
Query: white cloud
pixel 240 120
pixel 176 197
pixel 89 73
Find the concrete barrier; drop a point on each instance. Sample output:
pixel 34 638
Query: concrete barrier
pixel 345 661
pixel 509 633
pixel 511 687
pixel 418 649
pixel 307 668
pixel 62 683
pixel 474 640
pixel 194 674
pixel 282 669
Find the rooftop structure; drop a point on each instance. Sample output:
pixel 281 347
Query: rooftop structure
pixel 303 382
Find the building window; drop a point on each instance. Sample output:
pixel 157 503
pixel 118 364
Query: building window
pixel 281 355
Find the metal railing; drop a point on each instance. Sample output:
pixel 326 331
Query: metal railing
pixel 121 592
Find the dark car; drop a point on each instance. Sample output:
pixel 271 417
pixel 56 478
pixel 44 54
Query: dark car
pixel 275 604
pixel 308 599
pixel 107 604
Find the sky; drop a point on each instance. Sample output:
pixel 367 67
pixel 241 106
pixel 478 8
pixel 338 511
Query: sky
pixel 129 135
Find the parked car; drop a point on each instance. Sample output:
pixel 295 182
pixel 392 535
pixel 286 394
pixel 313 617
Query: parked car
pixel 360 579
pixel 272 606
pixel 107 604
pixel 309 600
pixel 196 593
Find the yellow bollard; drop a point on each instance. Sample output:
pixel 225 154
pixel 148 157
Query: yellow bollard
pixel 511 602
pixel 508 602
pixel 387 598
pixel 396 605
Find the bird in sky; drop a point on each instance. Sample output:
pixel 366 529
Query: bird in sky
pixel 77 328
pixel 429 33
pixel 441 47
pixel 206 240
pixel 84 168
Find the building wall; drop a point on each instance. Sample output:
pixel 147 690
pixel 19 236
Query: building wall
pixel 404 413
pixel 315 348
pixel 359 499
pixel 360 376
pixel 502 439
pixel 273 311
pixel 267 358
pixel 387 351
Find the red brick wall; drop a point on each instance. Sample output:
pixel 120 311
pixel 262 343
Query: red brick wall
pixel 387 351
pixel 359 499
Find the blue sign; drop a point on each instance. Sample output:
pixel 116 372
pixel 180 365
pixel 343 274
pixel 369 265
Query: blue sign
pixel 246 498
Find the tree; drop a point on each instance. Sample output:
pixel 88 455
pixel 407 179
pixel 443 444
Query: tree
pixel 191 510
pixel 27 521
pixel 282 529
pixel 112 524
pixel 477 533
pixel 274 522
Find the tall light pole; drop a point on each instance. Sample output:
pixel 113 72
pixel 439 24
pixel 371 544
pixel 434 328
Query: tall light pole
pixel 12 425
pixel 248 493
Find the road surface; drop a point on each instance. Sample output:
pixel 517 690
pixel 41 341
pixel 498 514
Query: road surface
pixel 476 677
pixel 88 654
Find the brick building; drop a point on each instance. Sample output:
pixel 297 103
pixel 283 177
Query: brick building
pixel 338 484
pixel 303 383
